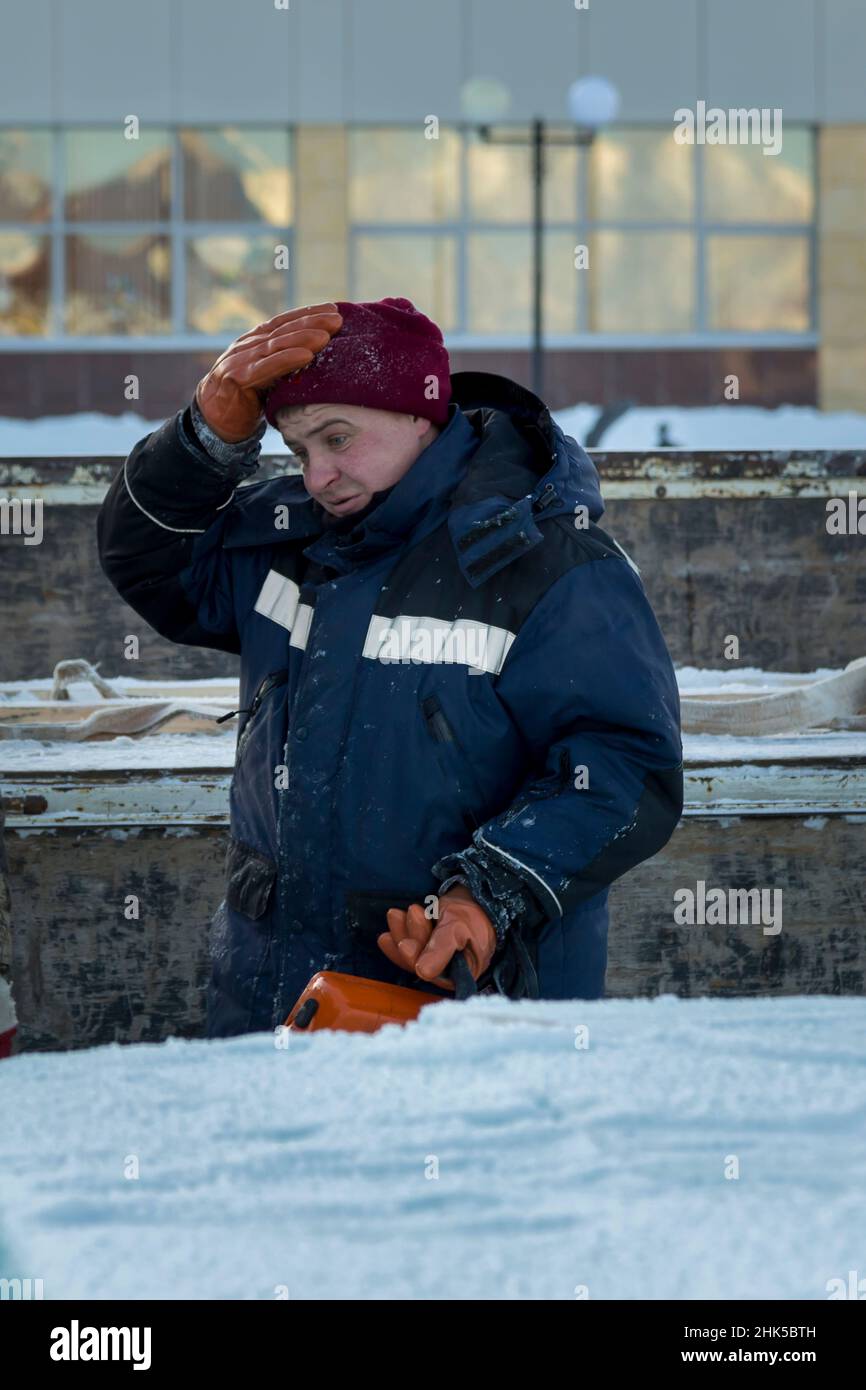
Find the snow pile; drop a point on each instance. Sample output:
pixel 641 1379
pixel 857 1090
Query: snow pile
pixel 476 1154
pixel 89 432
pixel 723 427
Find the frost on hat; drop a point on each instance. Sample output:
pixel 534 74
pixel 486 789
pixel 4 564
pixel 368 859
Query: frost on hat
pixel 387 355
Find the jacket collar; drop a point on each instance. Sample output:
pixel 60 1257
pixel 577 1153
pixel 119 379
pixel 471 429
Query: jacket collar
pixel 493 516
pixel 412 507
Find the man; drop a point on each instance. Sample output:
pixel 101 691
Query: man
pixel 460 720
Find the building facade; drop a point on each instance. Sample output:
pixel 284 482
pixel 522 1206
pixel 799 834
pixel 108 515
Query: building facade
pixel 172 174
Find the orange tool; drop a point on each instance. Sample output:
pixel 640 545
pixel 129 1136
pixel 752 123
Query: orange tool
pixel 352 1004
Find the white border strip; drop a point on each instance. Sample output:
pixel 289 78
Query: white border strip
pixel 497 849
pixel 278 599
pixel 178 530
pixel 438 641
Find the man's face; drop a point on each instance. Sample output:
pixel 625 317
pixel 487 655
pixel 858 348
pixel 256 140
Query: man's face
pixel 349 452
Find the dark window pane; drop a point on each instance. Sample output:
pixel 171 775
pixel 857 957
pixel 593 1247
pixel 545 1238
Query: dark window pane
pixel 112 179
pixel 419 267
pixel 25 175
pixel 758 283
pixel 233 174
pixel 118 284
pixel 24 281
pixel 232 283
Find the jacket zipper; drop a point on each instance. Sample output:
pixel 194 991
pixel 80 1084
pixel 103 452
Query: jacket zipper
pixel 265 687
pixel 547 498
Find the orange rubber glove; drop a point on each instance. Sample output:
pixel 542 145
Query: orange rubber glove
pixel 425 947
pixel 230 397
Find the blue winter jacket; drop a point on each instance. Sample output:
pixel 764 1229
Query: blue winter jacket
pixel 467 685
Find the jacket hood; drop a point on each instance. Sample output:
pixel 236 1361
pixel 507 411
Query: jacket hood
pixel 524 466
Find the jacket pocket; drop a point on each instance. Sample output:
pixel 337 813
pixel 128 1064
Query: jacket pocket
pixel 250 878
pixel 365 912
pixel 452 760
pixel 271 682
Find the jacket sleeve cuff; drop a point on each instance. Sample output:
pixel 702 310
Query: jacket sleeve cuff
pixel 504 896
pixel 241 458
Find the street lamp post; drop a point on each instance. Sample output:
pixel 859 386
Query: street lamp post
pixel 593 102
pixel 538 258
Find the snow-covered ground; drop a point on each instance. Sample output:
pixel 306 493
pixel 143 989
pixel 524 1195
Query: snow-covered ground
pixel 728 426
pixel 478 1153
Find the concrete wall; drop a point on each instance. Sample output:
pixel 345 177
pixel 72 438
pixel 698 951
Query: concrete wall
pixel 366 60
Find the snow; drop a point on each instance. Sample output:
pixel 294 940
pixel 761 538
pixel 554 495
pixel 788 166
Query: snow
pixel 167 751
pixel 558 1166
pixel 749 680
pixel 26 692
pixel 688 678
pixel 215 752
pixel 724 426
pixel 745 748
pixel 89 432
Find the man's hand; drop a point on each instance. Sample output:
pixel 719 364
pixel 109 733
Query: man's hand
pixel 230 397
pixel 425 948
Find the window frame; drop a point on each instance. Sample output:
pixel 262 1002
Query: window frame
pixel 582 228
pixel 177 229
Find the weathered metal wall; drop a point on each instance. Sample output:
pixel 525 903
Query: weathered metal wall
pixel 727 544
pixel 57 603
pixel 765 571
pixel 84 974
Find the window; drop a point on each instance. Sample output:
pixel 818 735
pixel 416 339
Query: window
pixel 683 241
pixel 404 206
pixel 189 233
pixel 173 233
pixel 25 249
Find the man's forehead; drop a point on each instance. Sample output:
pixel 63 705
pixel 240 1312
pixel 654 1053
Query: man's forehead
pixel 300 419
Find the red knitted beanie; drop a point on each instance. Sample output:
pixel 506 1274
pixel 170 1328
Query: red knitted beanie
pixel 387 355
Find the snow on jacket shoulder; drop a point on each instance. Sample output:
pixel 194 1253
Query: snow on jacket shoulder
pixel 469 685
